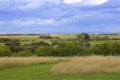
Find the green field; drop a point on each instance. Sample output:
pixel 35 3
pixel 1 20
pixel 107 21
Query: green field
pixel 42 72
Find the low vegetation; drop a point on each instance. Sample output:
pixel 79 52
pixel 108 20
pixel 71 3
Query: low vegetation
pixel 89 64
pixel 10 62
pixel 60 68
pixel 56 45
pixel 60 56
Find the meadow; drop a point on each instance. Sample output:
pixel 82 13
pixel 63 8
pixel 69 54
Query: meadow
pixel 62 68
pixel 32 57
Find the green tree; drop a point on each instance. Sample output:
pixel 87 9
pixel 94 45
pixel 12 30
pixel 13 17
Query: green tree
pixel 14 45
pixel 83 36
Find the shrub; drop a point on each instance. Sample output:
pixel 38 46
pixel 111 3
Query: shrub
pixel 44 51
pixel 105 49
pixel 26 53
pixel 100 49
pixel 42 43
pixel 84 43
pixel 54 43
pixel 4 51
pixel 46 37
pixel 13 42
pixel 114 48
pixel 68 51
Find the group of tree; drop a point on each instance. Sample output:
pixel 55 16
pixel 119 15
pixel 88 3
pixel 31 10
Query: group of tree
pixel 64 49
pixel 80 47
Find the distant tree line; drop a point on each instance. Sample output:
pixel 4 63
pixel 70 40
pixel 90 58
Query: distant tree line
pixel 79 47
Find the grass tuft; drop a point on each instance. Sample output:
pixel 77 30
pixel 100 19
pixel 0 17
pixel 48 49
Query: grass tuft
pixel 89 64
pixel 7 62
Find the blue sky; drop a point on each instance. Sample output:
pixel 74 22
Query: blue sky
pixel 59 16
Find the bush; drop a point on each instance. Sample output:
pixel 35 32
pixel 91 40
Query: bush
pixel 54 43
pixel 105 49
pixel 44 51
pixel 4 40
pixel 100 49
pixel 42 43
pixel 46 37
pixel 114 48
pixel 68 51
pixel 13 42
pixel 26 53
pixel 84 43
pixel 4 51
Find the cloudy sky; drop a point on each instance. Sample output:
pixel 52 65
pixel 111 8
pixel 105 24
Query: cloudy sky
pixel 59 16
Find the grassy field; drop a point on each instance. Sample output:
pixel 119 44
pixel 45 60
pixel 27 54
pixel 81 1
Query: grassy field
pixel 42 72
pixel 42 68
pixel 27 39
pixel 59 68
pixel 89 64
pixel 10 62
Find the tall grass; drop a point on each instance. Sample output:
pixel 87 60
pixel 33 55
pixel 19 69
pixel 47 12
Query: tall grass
pixel 90 64
pixel 7 62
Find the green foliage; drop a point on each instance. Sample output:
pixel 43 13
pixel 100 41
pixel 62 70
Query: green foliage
pixel 57 38
pixel 4 40
pixel 98 38
pixel 5 51
pixel 42 43
pixel 43 51
pixel 83 43
pixel 105 49
pixel 62 46
pixel 54 43
pixel 83 36
pixel 26 53
pixel 68 51
pixel 114 48
pixel 101 49
pixel 46 37
pixel 13 42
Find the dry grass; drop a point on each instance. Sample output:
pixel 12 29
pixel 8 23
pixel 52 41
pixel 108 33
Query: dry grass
pixel 21 37
pixel 90 64
pixel 6 62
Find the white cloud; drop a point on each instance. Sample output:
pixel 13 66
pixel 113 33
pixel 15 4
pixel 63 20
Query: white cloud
pixel 29 22
pixel 85 2
pixel 32 21
pixel 26 4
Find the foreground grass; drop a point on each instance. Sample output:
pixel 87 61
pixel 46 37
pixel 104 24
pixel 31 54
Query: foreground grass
pixel 42 68
pixel 42 72
pixel 8 62
pixel 89 64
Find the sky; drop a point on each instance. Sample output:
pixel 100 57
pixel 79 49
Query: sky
pixel 59 16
